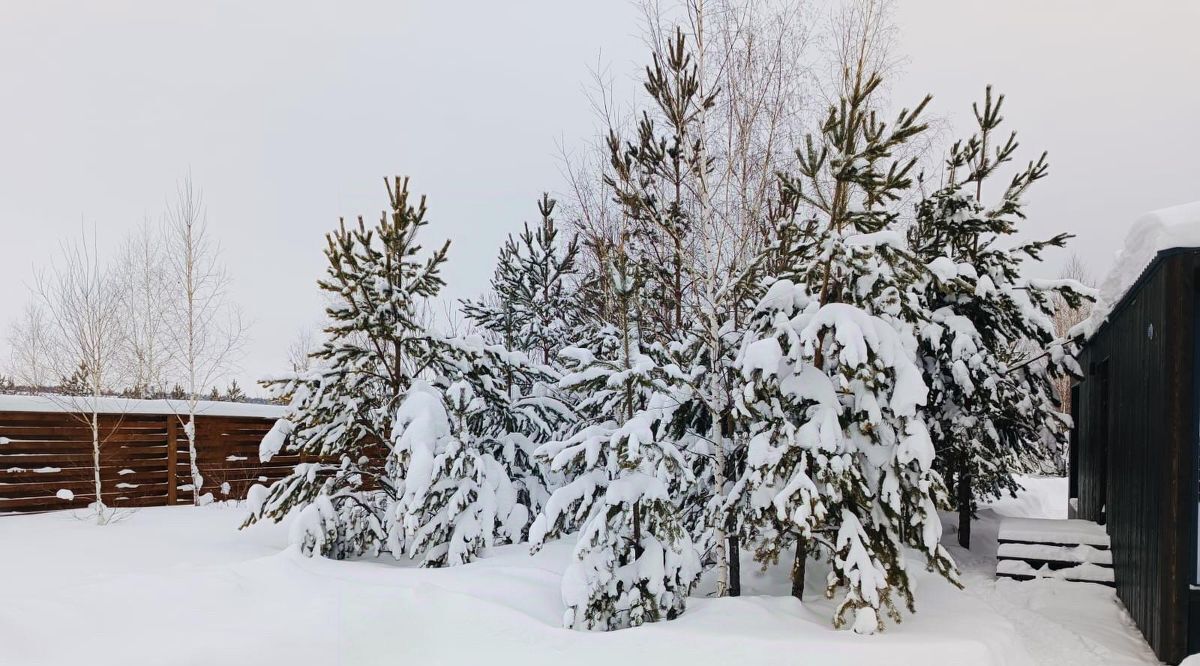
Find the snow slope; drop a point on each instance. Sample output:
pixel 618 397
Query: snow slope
pixel 178 585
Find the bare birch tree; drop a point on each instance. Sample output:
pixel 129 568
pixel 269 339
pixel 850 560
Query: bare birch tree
pixel 590 202
pixel 85 339
pixel 29 343
pixel 857 36
pixel 299 352
pixel 144 290
pixel 206 331
pixel 1065 318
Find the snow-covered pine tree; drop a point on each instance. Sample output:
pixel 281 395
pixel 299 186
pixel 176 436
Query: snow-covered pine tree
pixel 696 281
pixel 532 310
pixel 533 302
pixel 411 435
pixel 653 178
pixel 634 561
pixel 341 416
pixel 468 479
pixel 840 463
pixel 989 353
pixel 516 424
pixel 458 498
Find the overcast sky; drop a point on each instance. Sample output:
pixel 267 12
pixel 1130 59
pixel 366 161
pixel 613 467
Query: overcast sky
pixel 288 114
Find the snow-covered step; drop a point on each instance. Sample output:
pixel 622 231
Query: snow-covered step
pixel 1075 550
pixel 1040 552
pixel 1071 532
pixel 1083 573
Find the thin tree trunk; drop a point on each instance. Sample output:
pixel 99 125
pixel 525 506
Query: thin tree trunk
pixel 735 566
pixel 798 568
pixel 722 553
pixel 964 509
pixel 637 530
pixel 197 479
pixel 96 466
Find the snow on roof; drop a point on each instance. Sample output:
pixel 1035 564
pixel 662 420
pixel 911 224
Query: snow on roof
pixel 1151 233
pixel 116 405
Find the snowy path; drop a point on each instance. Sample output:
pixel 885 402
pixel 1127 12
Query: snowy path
pixel 178 585
pixel 1060 623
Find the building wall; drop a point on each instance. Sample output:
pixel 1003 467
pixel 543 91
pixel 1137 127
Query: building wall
pixel 1136 447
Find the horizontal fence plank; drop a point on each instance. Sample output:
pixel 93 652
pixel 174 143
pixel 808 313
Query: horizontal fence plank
pixel 81 488
pixel 26 460
pixel 140 456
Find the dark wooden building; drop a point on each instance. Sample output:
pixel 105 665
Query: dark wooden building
pixel 1134 449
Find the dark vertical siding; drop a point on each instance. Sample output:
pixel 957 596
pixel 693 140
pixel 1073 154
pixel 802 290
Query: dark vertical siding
pixel 1142 485
pixel 1073 459
pixel 1177 529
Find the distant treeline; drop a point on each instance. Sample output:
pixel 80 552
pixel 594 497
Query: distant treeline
pixel 74 386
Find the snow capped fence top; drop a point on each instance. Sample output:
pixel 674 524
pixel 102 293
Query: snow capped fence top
pixel 48 460
pixel 118 405
pixel 1151 234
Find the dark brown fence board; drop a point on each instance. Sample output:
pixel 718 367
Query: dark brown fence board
pixel 148 453
pixel 172 460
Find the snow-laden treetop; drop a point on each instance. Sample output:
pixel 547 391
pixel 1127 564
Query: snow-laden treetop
pixel 119 405
pixel 1153 232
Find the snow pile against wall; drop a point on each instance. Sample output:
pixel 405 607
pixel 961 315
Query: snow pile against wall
pixel 1152 233
pixel 118 405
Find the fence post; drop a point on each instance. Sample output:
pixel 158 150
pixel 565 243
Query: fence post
pixel 172 459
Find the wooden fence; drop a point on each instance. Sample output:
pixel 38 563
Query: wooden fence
pixel 46 460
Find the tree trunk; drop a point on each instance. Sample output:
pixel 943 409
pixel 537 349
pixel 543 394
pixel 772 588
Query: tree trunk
pixel 722 551
pixel 100 515
pixel 637 530
pixel 197 479
pixel 735 566
pixel 798 568
pixel 964 509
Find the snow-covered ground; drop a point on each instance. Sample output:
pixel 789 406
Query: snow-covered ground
pixel 179 585
pixel 1056 622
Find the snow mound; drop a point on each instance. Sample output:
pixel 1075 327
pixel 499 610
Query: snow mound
pixel 1152 233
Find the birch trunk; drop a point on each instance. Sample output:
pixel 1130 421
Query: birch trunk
pixel 95 423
